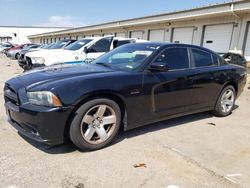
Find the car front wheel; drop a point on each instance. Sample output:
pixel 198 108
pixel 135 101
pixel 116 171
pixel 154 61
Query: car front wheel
pixel 17 56
pixel 95 124
pixel 225 103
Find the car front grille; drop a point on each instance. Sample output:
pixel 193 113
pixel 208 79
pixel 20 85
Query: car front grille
pixel 10 95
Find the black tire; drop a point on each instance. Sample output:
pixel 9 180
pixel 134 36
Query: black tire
pixel 76 127
pixel 218 110
pixel 17 55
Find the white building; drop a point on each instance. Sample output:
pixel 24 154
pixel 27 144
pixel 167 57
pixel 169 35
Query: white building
pixel 18 34
pixel 220 27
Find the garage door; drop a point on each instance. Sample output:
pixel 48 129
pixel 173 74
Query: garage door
pixel 183 35
pixel 107 34
pixel 218 37
pixel 247 48
pixel 87 36
pixel 157 35
pixel 136 34
pixel 121 35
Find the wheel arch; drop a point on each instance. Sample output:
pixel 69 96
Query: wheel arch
pixel 229 83
pixel 232 83
pixel 17 55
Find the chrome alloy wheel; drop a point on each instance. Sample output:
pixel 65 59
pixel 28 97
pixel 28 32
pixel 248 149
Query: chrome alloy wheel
pixel 227 101
pixel 98 124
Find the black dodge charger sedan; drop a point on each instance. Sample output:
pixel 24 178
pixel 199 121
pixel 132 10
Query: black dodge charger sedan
pixel 133 85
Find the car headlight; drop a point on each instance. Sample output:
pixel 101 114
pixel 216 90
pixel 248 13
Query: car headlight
pixel 38 60
pixel 44 98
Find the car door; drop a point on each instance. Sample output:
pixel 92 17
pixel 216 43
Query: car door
pixel 170 92
pixel 99 48
pixel 206 82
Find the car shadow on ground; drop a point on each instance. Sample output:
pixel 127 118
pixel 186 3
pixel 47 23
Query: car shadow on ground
pixel 68 147
pixel 59 149
pixel 162 125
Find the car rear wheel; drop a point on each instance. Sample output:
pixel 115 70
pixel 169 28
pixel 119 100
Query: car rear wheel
pixel 225 103
pixel 95 124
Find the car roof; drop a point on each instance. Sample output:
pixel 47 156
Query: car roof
pixel 116 38
pixel 66 40
pixel 169 44
pixel 91 38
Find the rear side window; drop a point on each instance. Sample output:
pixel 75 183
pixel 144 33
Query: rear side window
pixel 118 43
pixel 202 58
pixel 175 58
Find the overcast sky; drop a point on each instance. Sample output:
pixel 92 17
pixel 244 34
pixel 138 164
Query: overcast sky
pixel 72 13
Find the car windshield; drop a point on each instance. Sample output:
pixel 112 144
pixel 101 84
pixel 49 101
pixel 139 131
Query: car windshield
pixel 6 45
pixel 47 46
pixel 78 44
pixel 33 46
pixel 128 57
pixel 58 44
pixel 27 47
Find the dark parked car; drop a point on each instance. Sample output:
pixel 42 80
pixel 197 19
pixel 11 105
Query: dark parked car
pixel 235 58
pixel 133 85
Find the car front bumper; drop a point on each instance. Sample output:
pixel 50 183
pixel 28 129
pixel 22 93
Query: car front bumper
pixel 42 124
pixel 22 62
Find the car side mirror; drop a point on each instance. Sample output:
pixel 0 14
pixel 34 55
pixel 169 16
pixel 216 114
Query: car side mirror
pixel 158 67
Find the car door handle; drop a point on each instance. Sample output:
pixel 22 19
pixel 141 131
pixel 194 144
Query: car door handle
pixel 135 92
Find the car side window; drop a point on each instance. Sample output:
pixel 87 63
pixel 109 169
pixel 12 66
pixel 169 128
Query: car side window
pixel 102 45
pixel 118 43
pixel 202 58
pixel 174 58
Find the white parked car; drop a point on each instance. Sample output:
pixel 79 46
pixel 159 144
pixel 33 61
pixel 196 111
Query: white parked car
pixel 84 50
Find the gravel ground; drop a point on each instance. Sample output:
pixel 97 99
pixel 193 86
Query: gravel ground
pixel 193 151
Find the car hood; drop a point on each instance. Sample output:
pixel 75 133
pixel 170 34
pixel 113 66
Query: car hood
pixel 55 56
pixel 44 53
pixel 60 72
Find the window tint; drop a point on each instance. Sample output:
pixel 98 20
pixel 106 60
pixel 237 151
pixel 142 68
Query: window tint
pixel 78 44
pixel 175 58
pixel 6 45
pixel 34 46
pixel 118 43
pixel 127 57
pixel 202 58
pixel 102 45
